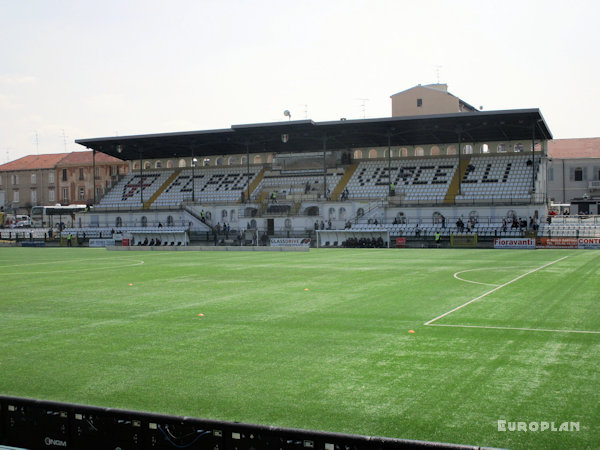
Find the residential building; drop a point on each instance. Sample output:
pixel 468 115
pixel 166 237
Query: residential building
pixel 77 185
pixel 29 181
pixel 428 99
pixel 574 172
pixel 63 178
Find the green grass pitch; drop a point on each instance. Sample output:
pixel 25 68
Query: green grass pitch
pixel 316 340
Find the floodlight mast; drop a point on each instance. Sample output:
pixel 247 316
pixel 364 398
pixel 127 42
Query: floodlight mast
pixel 287 114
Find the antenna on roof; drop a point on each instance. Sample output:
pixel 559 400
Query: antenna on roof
pixel 438 68
pixel 287 114
pixel 64 139
pixel 305 111
pixel 363 106
pixel 37 144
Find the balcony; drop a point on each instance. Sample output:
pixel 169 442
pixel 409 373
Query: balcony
pixel 594 186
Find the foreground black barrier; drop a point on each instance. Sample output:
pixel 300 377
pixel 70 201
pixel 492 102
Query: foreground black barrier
pixel 37 424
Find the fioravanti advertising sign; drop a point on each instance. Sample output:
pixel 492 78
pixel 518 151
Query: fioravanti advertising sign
pixel 514 243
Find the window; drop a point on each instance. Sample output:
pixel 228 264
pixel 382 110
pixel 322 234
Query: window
pixel 0 179
pixel 219 161
pixel 550 173
pixel 51 177
pixel 15 179
pixel 33 196
pixel 257 159
pixel 98 192
pixel 65 196
pixel 435 150
pixel 169 164
pixel 372 153
pixel 81 193
pixel 118 222
pixel 578 174
pixel 404 152
pixel 231 161
pixel 16 196
pixel 518 148
pixel 136 165
pixel 419 102
pixel 419 151
pixel 224 214
pixel 64 174
pixel 157 165
pixel 451 150
pixel 147 165
pixel 485 148
pixel 182 162
pixel 501 148
pixel 357 154
pixel 97 173
pixel 33 178
pixel 51 197
pixel 243 160
pixel 114 170
pixel 468 149
pixel 81 174
pixel 206 162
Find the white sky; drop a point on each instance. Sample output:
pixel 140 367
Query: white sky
pixel 84 69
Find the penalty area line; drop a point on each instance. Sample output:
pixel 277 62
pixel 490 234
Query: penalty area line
pixel 493 290
pixel 513 328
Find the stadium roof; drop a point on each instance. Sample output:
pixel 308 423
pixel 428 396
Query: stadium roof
pixel 309 136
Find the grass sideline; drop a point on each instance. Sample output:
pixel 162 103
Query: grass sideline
pixel 314 340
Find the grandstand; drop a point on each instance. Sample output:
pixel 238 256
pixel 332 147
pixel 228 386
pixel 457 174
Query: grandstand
pixel 288 179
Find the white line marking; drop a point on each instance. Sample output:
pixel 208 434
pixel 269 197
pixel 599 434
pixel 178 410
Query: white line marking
pixel 135 262
pixel 469 281
pixel 512 328
pixel 494 290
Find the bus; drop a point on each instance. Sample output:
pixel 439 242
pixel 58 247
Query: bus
pixel 51 216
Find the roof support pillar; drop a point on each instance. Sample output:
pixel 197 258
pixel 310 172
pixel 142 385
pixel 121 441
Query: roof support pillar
pixel 141 176
pixel 248 170
pixel 194 161
pixel 94 174
pixel 389 136
pixel 532 159
pixel 459 130
pixel 324 169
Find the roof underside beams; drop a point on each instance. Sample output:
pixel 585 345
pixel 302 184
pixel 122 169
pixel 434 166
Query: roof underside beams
pixel 309 136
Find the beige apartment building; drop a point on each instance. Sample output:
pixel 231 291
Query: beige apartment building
pixel 428 99
pixel 64 178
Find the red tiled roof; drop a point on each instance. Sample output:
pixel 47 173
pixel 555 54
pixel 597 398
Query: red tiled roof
pixel 33 162
pixel 574 148
pixel 85 158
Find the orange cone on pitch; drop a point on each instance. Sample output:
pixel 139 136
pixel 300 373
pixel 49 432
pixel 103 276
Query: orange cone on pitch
pixel 411 331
